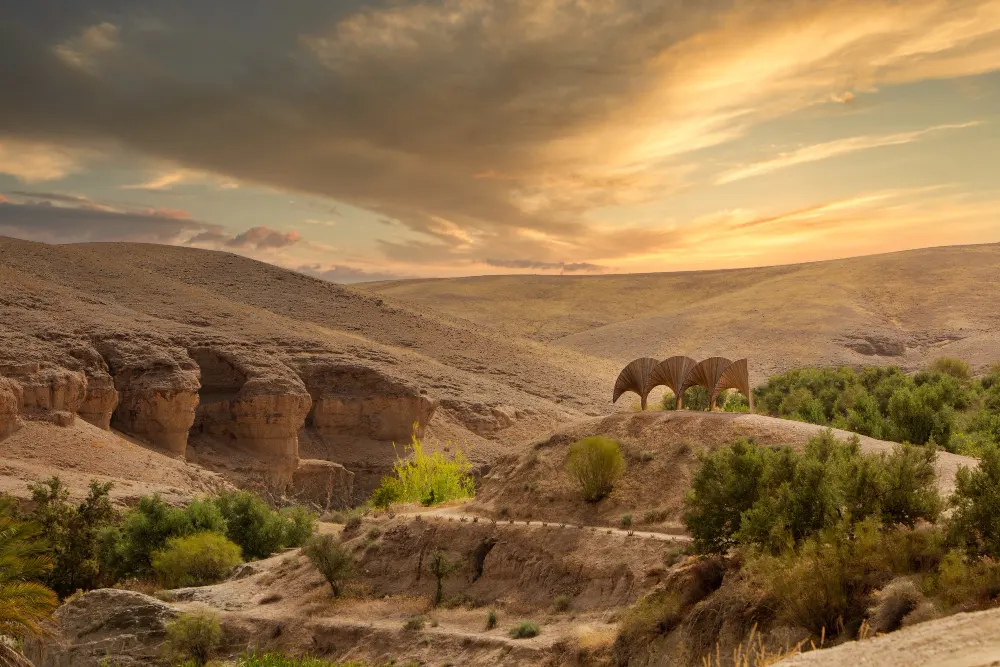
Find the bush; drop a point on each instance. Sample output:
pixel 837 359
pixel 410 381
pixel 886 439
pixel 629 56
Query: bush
pixel 956 368
pixel 193 637
pixel 250 523
pixel 127 551
pixel 626 520
pixel 653 615
pixel 429 479
pixel 280 660
pixel 525 630
pixel 439 565
pixel 561 603
pixel 892 604
pixel 774 498
pixel 491 619
pixel 975 522
pixel 195 560
pixel 72 532
pixel 332 558
pixel 596 463
pixel 300 524
pixel 415 623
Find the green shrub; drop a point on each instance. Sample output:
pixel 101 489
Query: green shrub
pixel 73 533
pixel 429 479
pixel 194 637
pixel 975 522
pixel 956 368
pixel 595 464
pixel 491 619
pixel 127 551
pixel 626 520
pixel 525 630
pixel 966 583
pixel 195 560
pixel 653 615
pixel 332 558
pixel 300 524
pixel 259 530
pixel 774 498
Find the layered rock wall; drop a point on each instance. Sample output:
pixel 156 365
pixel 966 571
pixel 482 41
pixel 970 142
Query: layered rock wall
pixel 355 400
pixel 324 484
pixel 50 393
pixel 100 400
pixel 11 398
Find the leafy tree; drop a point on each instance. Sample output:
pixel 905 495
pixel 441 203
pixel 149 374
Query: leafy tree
pixel 73 533
pixel 332 558
pixel 975 522
pixel 250 523
pixel 441 567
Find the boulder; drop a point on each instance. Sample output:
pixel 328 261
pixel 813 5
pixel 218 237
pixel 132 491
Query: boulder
pixel 11 398
pixel 360 401
pixel 324 484
pixel 105 626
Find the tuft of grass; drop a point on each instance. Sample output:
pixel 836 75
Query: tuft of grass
pixel 626 520
pixel 415 623
pixel 491 619
pixel 281 660
pixel 525 630
pixel 561 603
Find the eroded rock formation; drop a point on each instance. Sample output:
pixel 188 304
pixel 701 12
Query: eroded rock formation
pixel 51 393
pixel 324 484
pixel 355 400
pixel 10 406
pixel 253 407
pixel 158 394
pixel 100 400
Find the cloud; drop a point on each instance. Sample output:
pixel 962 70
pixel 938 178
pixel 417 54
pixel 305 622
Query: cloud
pixel 474 124
pixel 347 274
pixel 44 221
pixel 86 49
pixel 34 161
pixel 165 180
pixel 562 267
pixel 255 238
pixel 831 149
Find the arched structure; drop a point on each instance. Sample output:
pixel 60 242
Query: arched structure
pixel 635 378
pixel 737 376
pixel 672 373
pixel 707 374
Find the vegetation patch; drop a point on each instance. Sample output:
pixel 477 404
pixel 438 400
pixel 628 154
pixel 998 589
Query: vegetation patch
pixel 595 464
pixel 428 479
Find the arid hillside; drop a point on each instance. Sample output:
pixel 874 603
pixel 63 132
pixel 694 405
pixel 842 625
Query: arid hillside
pixel 900 308
pixel 256 367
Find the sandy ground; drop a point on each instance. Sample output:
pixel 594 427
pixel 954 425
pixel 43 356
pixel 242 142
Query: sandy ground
pixel 962 640
pixel 81 452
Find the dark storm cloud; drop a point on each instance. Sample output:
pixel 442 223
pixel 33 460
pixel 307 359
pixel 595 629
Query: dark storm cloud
pixel 396 112
pixel 41 221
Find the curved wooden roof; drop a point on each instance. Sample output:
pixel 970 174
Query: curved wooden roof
pixel 635 377
pixel 672 373
pixel 736 376
pixel 707 373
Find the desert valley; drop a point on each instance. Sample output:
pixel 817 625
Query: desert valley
pixel 187 374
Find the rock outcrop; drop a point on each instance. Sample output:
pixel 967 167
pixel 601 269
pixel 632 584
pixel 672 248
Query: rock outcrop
pixel 360 401
pixel 106 626
pixel 253 407
pixel 50 393
pixel 100 400
pixel 11 398
pixel 480 418
pixel 324 484
pixel 158 393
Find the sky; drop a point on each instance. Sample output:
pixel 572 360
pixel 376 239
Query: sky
pixel 376 139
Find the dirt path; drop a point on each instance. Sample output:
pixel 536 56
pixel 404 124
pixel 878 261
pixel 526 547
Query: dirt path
pixel 452 513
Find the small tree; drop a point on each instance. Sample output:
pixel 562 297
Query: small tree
pixel 975 522
pixel 193 637
pixel 596 463
pixel 331 558
pixel 441 567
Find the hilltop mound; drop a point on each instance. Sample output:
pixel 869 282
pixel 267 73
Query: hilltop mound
pixel 661 450
pixel 177 346
pixel 901 308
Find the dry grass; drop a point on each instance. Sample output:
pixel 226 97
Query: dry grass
pixel 754 652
